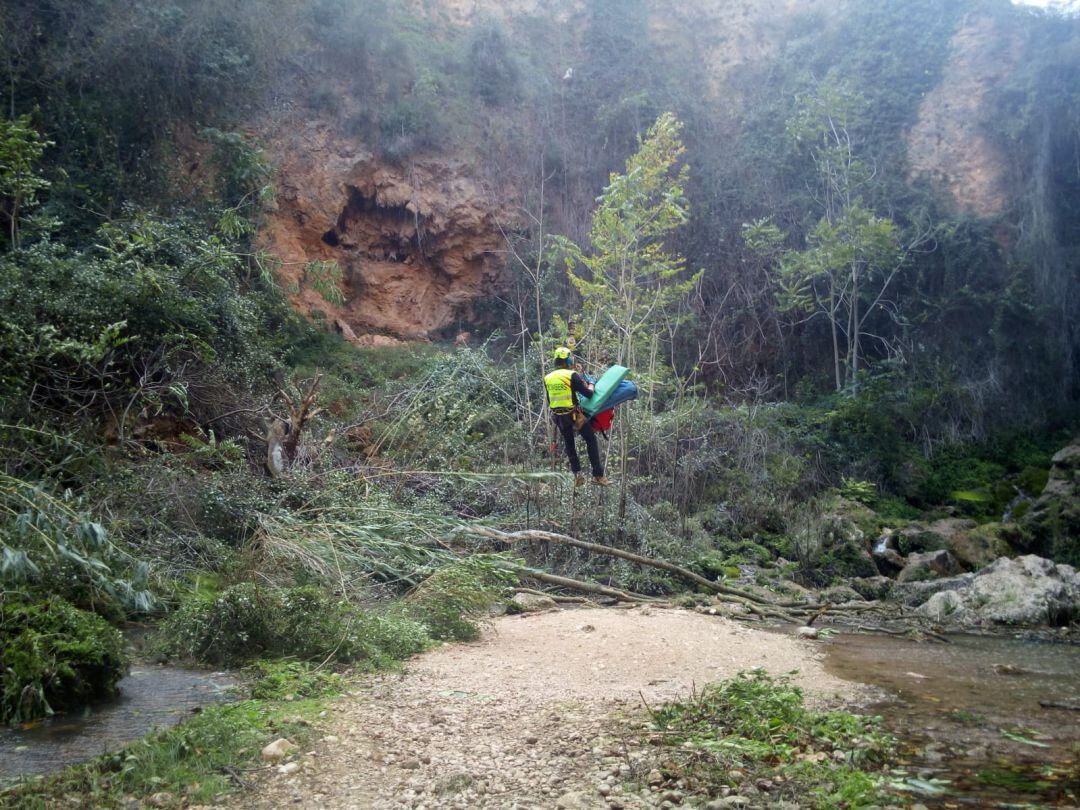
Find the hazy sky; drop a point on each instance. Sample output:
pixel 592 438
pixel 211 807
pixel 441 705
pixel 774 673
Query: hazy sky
pixel 1073 4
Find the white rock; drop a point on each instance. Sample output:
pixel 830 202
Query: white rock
pixel 277 750
pixel 288 768
pixel 807 632
pixel 532 602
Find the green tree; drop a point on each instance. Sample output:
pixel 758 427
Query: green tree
pixel 843 274
pixel 21 147
pixel 852 256
pixel 631 281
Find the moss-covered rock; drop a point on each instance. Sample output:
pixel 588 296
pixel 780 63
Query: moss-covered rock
pixel 922 566
pixel 981 545
pixel 1051 528
pixel 55 657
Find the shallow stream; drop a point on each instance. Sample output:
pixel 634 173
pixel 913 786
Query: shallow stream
pixel 150 697
pixel 974 731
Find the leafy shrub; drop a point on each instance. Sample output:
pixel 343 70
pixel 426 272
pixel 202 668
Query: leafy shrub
pixel 153 301
pixel 249 621
pixel 449 600
pixel 54 657
pixel 494 72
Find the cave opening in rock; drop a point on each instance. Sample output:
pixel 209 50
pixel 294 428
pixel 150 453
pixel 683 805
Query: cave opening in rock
pixel 381 233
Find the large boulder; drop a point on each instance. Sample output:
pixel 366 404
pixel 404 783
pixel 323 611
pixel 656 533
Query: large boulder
pixel 978 547
pixel 914 594
pixel 873 588
pixel 524 602
pixel 929 565
pixel 1028 590
pixel 844 533
pixel 1052 526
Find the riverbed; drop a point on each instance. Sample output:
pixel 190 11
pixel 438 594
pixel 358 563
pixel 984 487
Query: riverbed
pixel 983 720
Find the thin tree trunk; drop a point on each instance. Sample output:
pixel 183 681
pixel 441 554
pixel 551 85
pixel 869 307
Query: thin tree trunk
pixel 835 338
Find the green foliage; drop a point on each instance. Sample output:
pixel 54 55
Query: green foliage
pixel 278 680
pixel 495 74
pixel 244 175
pixel 21 147
pixel 450 600
pixel 861 491
pixel 757 727
pixel 52 546
pixel 633 280
pixel 413 124
pixel 120 325
pixel 325 278
pixel 249 621
pixel 54 658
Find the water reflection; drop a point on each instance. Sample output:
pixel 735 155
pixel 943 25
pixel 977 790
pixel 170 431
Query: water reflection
pixel 150 697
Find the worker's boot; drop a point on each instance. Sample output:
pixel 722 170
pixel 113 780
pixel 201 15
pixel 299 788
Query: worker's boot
pixel 579 479
pixel 601 481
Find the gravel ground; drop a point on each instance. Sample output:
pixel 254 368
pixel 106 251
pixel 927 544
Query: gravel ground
pixel 540 713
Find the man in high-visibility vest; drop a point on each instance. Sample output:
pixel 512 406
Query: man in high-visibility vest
pixel 563 386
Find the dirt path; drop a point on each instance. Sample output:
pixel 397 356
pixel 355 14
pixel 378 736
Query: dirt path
pixel 538 714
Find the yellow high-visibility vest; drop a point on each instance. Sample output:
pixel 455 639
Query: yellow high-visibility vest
pixel 560 395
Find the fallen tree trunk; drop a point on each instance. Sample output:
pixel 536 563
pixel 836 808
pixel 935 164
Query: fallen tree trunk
pixel 581 585
pixel 558 597
pixel 610 551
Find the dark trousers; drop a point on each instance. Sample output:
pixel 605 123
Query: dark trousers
pixel 565 423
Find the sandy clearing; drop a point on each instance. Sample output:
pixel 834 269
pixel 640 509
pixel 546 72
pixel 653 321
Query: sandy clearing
pixel 536 714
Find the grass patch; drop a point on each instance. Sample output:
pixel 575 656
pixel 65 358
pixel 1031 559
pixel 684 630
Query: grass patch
pixel 755 729
pixel 199 761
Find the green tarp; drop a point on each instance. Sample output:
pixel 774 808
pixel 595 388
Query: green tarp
pixel 605 386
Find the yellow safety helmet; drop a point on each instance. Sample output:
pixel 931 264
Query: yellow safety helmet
pixel 563 356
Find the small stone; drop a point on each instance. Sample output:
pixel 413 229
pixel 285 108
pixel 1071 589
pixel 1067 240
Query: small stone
pixel 411 764
pixel 673 796
pixel 288 768
pixel 331 739
pixel 277 750
pixel 807 632
pixel 586 628
pixel 532 739
pixel 604 789
pixel 654 778
pixel 163 799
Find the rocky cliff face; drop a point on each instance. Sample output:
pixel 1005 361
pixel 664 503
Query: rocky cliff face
pixel 950 143
pixel 420 246
pixel 417 247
